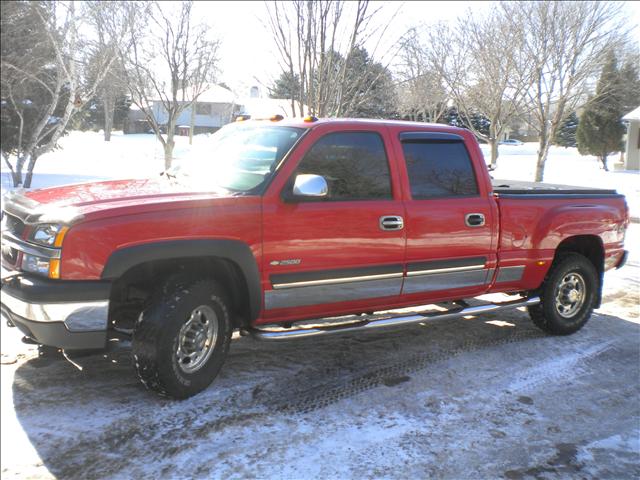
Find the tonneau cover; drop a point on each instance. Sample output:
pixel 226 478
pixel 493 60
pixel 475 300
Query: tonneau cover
pixel 512 187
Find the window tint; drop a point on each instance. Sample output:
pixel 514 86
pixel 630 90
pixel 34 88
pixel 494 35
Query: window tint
pixel 439 169
pixel 354 164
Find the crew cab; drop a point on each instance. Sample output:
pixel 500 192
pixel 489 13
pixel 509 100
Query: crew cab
pixel 274 224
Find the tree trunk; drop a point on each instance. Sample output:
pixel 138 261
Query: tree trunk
pixel 168 154
pixel 603 160
pixel 30 167
pixel 494 152
pixel 17 176
pixel 169 144
pixel 543 153
pixel 109 107
pixel 192 124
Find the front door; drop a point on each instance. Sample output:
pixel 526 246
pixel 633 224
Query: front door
pixel 334 255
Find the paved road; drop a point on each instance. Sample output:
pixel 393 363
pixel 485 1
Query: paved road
pixel 486 397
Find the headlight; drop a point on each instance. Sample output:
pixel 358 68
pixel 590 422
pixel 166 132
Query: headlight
pixel 49 235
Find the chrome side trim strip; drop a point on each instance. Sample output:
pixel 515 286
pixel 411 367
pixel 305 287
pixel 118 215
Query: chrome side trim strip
pixel 444 281
pixel 29 248
pixel 333 281
pixel 266 334
pixel 445 270
pixel 510 274
pixel 332 293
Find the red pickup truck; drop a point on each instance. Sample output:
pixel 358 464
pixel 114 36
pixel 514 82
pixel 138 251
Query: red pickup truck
pixel 275 222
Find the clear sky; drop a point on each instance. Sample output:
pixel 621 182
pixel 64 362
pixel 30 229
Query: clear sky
pixel 248 55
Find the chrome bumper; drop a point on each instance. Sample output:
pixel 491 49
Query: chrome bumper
pixel 63 314
pixel 76 316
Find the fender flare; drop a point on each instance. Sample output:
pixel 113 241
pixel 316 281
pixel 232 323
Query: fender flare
pixel 233 250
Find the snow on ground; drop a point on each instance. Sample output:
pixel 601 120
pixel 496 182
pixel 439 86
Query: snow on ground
pixel 484 397
pixel 85 156
pixel 473 398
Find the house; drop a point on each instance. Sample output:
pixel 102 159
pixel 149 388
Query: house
pixel 632 155
pixel 214 108
pixel 257 105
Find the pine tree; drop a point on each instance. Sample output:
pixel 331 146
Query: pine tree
pixel 285 86
pixel 630 78
pixel 566 135
pixel 600 130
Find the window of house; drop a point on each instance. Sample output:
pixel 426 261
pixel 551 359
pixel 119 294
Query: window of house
pixel 439 169
pixel 203 109
pixel 354 164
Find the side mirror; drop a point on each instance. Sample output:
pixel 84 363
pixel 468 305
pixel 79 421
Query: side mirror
pixel 307 185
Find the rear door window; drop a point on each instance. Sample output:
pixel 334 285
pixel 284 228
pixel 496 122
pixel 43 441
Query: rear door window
pixel 439 169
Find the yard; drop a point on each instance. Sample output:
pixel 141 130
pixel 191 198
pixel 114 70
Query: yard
pixel 482 397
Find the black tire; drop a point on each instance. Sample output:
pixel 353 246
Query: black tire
pixel 557 314
pixel 159 330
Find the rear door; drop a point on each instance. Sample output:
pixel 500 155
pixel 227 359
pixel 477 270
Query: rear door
pixel 451 229
pixel 334 255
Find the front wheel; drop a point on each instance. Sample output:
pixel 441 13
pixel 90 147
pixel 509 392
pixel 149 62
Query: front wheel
pixel 568 296
pixel 180 341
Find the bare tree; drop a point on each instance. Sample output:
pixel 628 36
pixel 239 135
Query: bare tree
pixel 316 40
pixel 482 63
pixel 52 62
pixel 104 17
pixel 422 93
pixel 171 62
pixel 565 43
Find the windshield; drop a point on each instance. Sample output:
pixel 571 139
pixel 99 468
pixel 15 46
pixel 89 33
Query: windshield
pixel 238 157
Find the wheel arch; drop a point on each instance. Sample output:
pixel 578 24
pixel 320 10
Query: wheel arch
pixel 229 261
pixel 589 246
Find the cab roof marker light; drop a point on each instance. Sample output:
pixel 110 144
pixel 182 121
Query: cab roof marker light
pixel 242 118
pixel 310 118
pixel 276 118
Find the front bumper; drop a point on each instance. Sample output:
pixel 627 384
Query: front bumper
pixel 64 314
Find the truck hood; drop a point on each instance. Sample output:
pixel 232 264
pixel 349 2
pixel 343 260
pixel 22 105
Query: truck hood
pixel 67 204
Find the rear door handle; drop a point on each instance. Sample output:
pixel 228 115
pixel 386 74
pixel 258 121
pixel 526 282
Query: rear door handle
pixel 474 219
pixel 391 222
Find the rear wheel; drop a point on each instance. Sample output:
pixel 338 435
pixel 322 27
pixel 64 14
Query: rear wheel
pixel 181 340
pixel 568 296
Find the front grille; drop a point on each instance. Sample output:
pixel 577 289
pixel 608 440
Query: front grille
pixel 14 225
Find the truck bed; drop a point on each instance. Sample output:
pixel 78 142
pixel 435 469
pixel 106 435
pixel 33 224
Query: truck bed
pixel 505 188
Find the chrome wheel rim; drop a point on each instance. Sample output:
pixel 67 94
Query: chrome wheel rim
pixel 197 339
pixel 570 295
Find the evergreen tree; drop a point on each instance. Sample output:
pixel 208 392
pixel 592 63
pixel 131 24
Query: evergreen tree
pixel 600 130
pixel 92 115
pixel 454 118
pixel 370 92
pixel 566 134
pixel 630 79
pixel 285 86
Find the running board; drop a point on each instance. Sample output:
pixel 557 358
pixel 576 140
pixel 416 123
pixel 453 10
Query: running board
pixel 267 334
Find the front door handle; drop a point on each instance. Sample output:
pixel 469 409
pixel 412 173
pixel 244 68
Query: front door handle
pixel 474 219
pixel 391 222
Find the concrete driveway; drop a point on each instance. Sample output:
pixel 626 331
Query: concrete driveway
pixel 486 397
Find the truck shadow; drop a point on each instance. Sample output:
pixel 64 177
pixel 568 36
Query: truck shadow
pixel 100 421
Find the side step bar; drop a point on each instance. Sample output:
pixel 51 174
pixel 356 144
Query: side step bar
pixel 270 335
